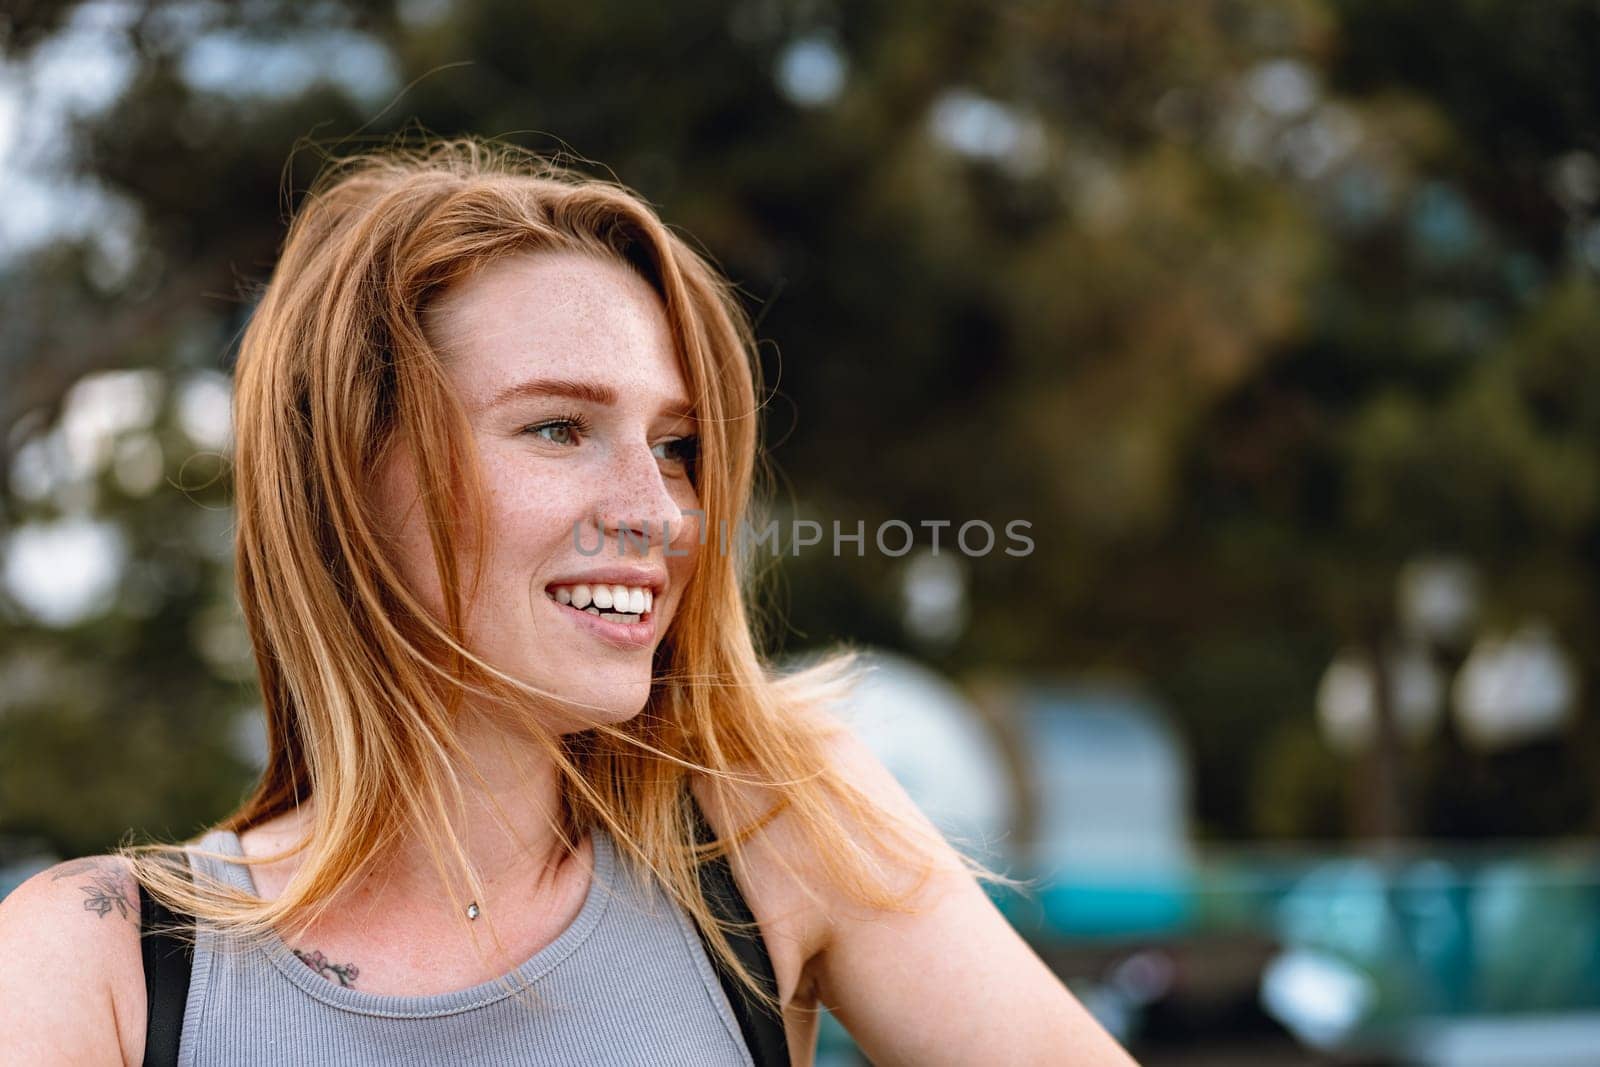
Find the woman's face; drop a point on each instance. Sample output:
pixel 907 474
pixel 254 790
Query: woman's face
pixel 566 368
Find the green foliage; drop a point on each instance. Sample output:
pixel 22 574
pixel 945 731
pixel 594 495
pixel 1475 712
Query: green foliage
pixel 1258 301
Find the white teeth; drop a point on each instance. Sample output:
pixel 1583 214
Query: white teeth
pixel 616 617
pixel 626 599
pixel 592 611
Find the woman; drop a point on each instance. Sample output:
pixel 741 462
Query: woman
pixel 489 414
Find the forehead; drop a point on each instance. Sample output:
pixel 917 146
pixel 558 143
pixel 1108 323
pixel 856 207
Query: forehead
pixel 555 315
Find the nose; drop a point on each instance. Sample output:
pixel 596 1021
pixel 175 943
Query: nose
pixel 640 506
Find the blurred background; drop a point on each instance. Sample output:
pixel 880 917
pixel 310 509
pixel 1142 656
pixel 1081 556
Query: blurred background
pixel 1276 320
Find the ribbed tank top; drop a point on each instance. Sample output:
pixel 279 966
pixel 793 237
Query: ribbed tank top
pixel 628 982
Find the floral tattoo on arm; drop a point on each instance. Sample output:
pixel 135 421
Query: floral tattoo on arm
pixel 107 886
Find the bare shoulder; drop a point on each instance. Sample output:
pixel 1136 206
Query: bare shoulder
pixel 72 981
pixel 944 980
pixel 784 873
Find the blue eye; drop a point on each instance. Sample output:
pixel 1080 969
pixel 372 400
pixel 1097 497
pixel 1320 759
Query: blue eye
pixel 683 450
pixel 567 425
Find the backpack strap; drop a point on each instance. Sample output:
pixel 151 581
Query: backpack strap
pixel 168 960
pixel 762 1028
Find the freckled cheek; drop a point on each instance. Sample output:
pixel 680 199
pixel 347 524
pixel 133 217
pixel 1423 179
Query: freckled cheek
pixel 534 524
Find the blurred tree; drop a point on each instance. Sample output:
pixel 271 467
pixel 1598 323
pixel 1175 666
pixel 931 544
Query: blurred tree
pixel 1240 304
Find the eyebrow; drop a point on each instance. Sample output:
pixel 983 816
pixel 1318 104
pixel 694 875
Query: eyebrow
pixel 593 392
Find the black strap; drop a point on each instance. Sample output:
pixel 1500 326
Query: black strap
pixel 762 1027
pixel 168 960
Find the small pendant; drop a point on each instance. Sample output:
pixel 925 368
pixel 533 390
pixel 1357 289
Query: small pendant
pixel 472 910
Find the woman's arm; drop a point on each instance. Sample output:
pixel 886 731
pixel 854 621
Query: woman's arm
pixel 71 976
pixel 954 984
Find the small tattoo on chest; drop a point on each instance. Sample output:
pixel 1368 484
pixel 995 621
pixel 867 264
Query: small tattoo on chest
pixel 345 973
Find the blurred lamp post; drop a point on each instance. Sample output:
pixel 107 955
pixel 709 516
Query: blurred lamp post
pixel 1392 688
pixel 1347 699
pixel 1504 691
pixel 1369 698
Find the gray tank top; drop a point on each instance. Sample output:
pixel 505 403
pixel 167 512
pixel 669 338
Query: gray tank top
pixel 628 982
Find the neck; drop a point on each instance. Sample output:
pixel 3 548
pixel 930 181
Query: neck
pixel 507 829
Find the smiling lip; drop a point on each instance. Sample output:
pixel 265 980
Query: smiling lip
pixel 631 636
pixel 652 578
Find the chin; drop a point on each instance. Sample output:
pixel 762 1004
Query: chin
pixel 581 709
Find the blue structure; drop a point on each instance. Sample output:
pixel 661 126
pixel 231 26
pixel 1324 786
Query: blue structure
pixel 1110 791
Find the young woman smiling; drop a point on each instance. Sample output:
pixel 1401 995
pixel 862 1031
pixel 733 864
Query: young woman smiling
pixel 497 758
